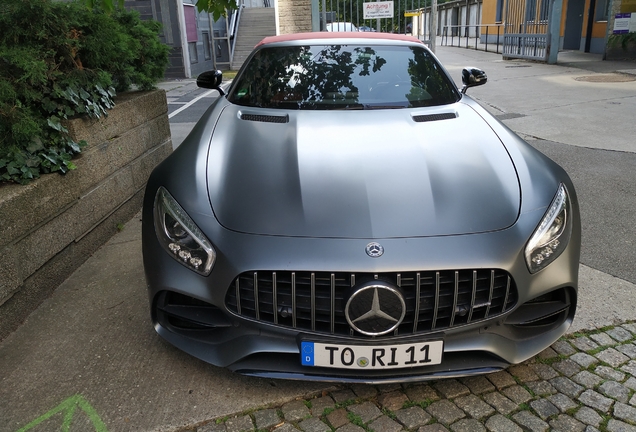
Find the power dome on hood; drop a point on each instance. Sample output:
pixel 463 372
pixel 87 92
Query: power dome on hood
pixel 369 174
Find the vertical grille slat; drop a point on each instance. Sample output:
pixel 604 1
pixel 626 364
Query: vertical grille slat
pixel 315 301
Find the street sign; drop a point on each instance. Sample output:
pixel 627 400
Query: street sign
pixel 412 14
pixel 373 10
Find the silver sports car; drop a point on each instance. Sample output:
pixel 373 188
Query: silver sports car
pixel 346 213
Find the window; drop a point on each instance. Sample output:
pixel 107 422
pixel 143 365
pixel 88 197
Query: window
pixel 500 5
pixel 602 10
pixel 194 55
pixel 336 77
pixel 207 49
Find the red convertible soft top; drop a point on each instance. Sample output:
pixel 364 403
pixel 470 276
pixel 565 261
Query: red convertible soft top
pixel 338 35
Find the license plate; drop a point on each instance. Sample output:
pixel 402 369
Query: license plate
pixel 371 357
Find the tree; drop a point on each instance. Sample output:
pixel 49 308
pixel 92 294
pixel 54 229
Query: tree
pixel 216 7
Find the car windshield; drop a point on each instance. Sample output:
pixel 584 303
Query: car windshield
pixel 343 77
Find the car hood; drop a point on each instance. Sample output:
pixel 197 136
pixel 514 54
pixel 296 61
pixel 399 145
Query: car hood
pixel 360 174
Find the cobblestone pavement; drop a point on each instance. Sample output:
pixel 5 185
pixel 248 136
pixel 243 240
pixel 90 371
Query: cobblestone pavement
pixel 584 382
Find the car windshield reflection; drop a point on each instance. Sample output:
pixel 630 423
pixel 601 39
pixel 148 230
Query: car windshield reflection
pixel 336 77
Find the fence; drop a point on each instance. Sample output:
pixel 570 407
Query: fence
pixel 474 36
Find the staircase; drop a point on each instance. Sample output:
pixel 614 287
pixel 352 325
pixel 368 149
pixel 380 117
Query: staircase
pixel 256 23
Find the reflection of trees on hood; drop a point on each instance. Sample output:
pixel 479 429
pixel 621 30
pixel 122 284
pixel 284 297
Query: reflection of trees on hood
pixel 299 77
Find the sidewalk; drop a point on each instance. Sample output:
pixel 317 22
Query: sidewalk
pixel 88 358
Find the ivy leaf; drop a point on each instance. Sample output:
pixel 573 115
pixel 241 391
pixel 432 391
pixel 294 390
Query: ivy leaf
pixel 35 144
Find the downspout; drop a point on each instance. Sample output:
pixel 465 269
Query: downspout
pixel 590 24
pixel 184 40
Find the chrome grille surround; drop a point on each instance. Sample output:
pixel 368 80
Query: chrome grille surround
pixel 315 301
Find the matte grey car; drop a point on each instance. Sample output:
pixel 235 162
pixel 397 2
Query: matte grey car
pixel 346 213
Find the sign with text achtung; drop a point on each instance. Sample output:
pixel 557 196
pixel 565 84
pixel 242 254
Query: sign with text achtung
pixel 383 9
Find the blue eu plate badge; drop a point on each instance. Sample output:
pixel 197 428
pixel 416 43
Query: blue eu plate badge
pixel 307 353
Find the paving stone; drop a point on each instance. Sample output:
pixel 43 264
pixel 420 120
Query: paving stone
pixel 596 400
pixel 587 379
pixel 630 327
pixel 501 379
pixel 501 403
pixel 445 412
pixel 547 354
pixel 212 427
pixel 318 405
pixel 393 401
pixel 338 418
pixel 564 423
pixel 630 383
pixel 625 412
pixel 632 401
pixel 628 349
pixel 562 402
pixel 266 418
pixel 499 423
pixel 603 339
pixel 583 359
pixel 588 416
pixel 294 411
pixel 412 417
pixel 350 427
pixel 517 394
pixel 567 386
pixel 619 426
pixel 530 422
pixel 313 425
pixel 609 373
pixel 384 424
pixel 451 388
pixel 364 391
pixel 541 388
pixel 615 390
pixel 544 408
pixel 239 424
pixel 367 411
pixel 288 427
pixel 584 343
pixel 478 384
pixel 467 425
pixel 620 334
pixel 474 406
pixel 630 367
pixel 342 396
pixel 612 357
pixel 387 388
pixel 567 367
pixel 421 393
pixel 563 347
pixel 544 371
pixel 523 373
pixel 589 428
pixel 433 428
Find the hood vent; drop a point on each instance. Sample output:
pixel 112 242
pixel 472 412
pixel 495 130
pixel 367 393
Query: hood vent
pixel 265 118
pixel 434 117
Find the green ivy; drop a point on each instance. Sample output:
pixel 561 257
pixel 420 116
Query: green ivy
pixel 623 40
pixel 59 61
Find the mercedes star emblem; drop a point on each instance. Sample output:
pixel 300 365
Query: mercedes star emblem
pixel 374 249
pixel 375 309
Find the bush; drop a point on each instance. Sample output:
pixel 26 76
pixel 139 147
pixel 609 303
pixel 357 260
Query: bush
pixel 60 60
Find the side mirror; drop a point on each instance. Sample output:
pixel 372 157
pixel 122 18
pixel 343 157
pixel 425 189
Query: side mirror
pixel 211 80
pixel 473 77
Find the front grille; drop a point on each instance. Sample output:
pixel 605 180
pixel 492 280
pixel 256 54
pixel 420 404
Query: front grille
pixel 315 301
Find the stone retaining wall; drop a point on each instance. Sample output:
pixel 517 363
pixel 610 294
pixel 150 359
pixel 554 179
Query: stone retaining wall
pixel 51 226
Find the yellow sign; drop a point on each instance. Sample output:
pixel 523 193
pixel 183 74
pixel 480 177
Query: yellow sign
pixel 411 14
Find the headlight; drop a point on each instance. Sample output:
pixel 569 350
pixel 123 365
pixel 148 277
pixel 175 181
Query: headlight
pixel 180 236
pixel 552 235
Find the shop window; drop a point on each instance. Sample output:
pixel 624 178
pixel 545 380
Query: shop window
pixel 207 49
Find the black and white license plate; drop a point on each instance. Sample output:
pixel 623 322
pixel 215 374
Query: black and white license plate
pixel 371 356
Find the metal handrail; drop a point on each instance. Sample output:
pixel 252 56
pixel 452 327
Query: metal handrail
pixel 236 19
pixel 478 33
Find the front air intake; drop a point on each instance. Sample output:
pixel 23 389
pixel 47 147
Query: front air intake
pixel 434 117
pixel 265 118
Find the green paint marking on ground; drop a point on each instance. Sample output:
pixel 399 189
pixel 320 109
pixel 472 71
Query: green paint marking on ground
pixel 69 407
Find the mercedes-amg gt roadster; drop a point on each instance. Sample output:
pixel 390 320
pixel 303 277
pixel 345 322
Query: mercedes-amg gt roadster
pixel 343 212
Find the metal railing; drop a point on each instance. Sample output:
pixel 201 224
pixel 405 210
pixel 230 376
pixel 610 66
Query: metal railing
pixel 474 36
pixel 236 19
